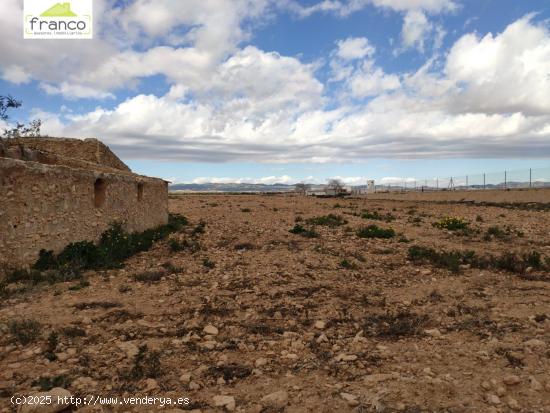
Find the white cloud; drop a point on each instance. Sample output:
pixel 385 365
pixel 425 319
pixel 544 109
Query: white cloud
pixel 227 102
pixel 75 91
pixel 15 74
pixel 354 48
pixel 372 81
pixel 503 73
pixel 415 29
pixel 347 7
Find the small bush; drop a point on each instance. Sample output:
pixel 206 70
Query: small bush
pixel 207 263
pixel 48 383
pixel 52 343
pixel 329 220
pixel 450 261
pixel 451 224
pixel 395 325
pixel 25 331
pixel 83 283
pixel 496 232
pixel 377 216
pixel 300 230
pixel 246 210
pixel 115 246
pixel 348 265
pixel 147 364
pixel 508 261
pixel 199 229
pixel 373 231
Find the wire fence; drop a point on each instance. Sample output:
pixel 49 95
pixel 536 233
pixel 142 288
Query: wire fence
pixel 522 178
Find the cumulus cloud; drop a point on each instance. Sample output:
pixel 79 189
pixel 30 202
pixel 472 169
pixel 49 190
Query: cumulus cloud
pixel 415 29
pixel 347 7
pixel 232 102
pixel 15 74
pixel 503 73
pixel 354 48
pixel 371 81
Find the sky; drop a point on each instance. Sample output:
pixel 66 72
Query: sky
pixel 285 91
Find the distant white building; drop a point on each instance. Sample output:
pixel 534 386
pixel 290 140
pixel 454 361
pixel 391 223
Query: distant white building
pixel 324 190
pixel 371 189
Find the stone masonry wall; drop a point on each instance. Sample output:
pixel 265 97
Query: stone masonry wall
pixel 90 150
pixel 47 207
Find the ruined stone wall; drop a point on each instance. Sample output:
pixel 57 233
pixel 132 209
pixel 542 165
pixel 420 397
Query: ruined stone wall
pixel 90 150
pixel 47 207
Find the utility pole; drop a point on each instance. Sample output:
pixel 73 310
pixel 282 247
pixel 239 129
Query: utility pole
pixel 484 181
pixel 530 178
pixel 505 180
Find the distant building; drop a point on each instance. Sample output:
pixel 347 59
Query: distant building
pixel 325 190
pixel 58 191
pixel 371 189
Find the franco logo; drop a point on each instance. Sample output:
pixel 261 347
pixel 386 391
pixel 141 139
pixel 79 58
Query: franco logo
pixel 65 20
pixel 59 10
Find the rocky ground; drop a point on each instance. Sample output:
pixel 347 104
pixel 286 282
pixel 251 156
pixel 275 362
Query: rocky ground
pixel 239 314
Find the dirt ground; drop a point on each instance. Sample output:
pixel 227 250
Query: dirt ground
pixel 249 317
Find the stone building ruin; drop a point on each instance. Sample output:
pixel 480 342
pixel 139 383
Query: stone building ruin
pixel 54 191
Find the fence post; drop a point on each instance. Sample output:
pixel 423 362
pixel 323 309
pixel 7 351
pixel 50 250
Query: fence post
pixel 466 182
pixel 530 178
pixel 483 180
pixel 505 180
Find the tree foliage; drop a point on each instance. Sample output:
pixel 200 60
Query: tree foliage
pixel 32 129
pixel 7 102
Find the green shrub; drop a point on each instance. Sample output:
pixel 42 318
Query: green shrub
pixel 507 261
pixel 330 220
pixel 349 265
pixel 146 364
pixel 114 247
pixel 377 216
pixel 451 224
pixel 300 230
pixel 373 231
pixel 449 260
pixel 199 229
pixel 24 331
pixel 46 383
pixel 496 232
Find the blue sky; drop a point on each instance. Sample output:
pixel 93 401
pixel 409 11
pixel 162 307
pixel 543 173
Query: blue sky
pixel 284 91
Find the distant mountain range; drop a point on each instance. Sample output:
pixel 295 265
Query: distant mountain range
pixel 277 187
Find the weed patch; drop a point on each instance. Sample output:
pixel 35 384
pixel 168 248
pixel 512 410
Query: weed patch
pixel 114 247
pixel 300 230
pixel 377 216
pixel 47 383
pixel 146 364
pixel 452 260
pixel 373 231
pixel 25 331
pixel 452 224
pixel 395 325
pixel 230 372
pixel 330 220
